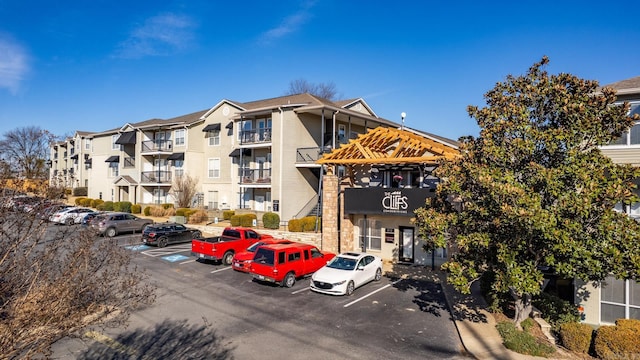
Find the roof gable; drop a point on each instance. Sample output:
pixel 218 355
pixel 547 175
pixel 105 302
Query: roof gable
pixel 390 146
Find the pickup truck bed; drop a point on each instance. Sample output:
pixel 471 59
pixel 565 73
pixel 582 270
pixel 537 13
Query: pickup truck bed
pixel 222 248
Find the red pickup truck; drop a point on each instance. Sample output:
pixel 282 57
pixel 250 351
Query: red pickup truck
pixel 222 248
pixel 284 263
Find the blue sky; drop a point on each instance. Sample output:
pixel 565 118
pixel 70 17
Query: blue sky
pixel 96 65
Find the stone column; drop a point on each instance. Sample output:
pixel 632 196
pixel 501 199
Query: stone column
pixel 330 193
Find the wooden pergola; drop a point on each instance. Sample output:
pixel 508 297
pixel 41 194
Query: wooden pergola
pixel 382 145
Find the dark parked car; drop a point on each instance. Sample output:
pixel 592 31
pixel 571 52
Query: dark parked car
pixel 114 223
pixel 168 233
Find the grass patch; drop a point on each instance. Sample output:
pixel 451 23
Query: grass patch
pixel 522 341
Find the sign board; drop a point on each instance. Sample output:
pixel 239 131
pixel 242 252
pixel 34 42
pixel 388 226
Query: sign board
pixel 385 201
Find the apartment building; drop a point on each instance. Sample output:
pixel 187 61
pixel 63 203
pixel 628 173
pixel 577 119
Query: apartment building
pixel 616 299
pixel 258 155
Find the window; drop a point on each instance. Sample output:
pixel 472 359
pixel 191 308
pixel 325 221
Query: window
pixel 179 167
pixel 213 200
pixel 179 137
pixel 294 256
pixel 632 136
pixel 114 169
pixel 281 257
pixel 87 144
pixel 619 299
pixel 315 253
pixel 370 234
pixel 214 168
pixel 342 134
pixel 115 146
pixel 214 137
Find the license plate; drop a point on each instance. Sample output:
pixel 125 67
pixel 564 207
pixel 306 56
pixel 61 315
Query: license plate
pixel 236 265
pixel 201 255
pixel 260 277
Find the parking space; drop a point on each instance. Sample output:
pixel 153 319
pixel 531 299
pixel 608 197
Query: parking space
pixel 399 316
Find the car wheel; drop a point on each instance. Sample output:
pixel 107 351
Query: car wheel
pixel 111 232
pixel 378 275
pixel 162 242
pixel 350 288
pixel 289 280
pixel 196 235
pixel 68 221
pixel 227 258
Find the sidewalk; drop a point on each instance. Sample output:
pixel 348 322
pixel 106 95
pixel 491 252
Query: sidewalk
pixel 476 326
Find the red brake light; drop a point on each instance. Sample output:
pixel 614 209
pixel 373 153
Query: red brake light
pixel 152 234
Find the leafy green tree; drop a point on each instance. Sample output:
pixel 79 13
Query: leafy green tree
pixel 534 189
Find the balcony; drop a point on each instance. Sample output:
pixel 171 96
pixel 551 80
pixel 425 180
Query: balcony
pixel 307 157
pixel 129 162
pixel 256 136
pixel 157 146
pixel 255 176
pixel 155 177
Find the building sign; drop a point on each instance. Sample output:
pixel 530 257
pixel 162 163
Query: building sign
pixel 385 201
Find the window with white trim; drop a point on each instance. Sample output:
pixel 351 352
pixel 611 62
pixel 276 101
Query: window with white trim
pixel 214 168
pixel 114 169
pixel 214 137
pixel 370 234
pixel 632 136
pixel 178 168
pixel 619 299
pixel 87 144
pixel 115 138
pixel 179 136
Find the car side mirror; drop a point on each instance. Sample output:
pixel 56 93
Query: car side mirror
pixel 360 268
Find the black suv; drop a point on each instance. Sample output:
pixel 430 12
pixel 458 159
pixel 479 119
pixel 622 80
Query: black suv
pixel 168 233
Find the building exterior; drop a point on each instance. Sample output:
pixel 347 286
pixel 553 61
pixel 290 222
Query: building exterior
pixel 371 189
pixel 615 299
pixel 257 155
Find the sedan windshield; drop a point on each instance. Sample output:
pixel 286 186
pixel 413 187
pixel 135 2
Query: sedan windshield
pixel 342 263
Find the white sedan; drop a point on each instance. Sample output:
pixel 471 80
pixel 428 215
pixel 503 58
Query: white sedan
pixel 345 272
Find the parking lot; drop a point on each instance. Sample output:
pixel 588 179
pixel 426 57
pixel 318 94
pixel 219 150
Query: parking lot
pixel 206 308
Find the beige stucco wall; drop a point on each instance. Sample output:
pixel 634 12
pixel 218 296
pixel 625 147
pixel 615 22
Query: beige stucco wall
pixel 293 187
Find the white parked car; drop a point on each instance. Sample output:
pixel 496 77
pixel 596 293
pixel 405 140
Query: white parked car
pixel 346 272
pixel 70 216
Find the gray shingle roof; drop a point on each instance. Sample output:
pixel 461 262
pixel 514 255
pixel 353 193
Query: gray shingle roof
pixel 632 83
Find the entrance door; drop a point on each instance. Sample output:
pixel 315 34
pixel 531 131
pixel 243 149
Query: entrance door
pixel 406 246
pixel 259 203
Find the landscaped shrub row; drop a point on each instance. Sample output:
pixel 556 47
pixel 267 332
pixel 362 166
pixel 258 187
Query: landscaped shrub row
pixel 192 215
pixel 576 336
pixel 307 223
pixel 243 220
pixel 621 341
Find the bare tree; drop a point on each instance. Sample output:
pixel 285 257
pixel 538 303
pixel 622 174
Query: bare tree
pixel 54 283
pixel 25 150
pixel 323 90
pixel 183 189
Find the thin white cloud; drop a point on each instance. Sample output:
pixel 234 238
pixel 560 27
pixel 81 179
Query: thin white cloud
pixel 289 24
pixel 14 64
pixel 159 36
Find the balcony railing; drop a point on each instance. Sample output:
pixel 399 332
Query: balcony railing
pixel 255 136
pixel 308 155
pixel 156 177
pixel 157 146
pixel 255 176
pixel 129 162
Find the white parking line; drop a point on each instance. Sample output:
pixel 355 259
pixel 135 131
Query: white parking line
pixel 164 251
pixel 226 268
pixel 371 293
pixel 188 261
pixel 301 290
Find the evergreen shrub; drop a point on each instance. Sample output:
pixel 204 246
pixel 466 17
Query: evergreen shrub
pixel 271 220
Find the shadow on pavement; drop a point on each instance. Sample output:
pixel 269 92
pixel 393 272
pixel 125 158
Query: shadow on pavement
pixel 167 340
